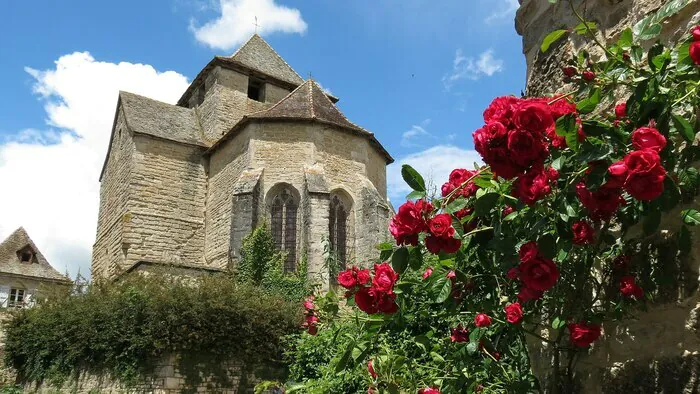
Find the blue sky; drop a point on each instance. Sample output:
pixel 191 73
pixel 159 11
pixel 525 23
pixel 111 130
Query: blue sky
pixel 416 74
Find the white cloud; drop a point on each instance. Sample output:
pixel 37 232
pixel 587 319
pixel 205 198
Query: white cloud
pixel 505 12
pixel 237 22
pixel 416 131
pixel 464 67
pixel 434 164
pixel 54 174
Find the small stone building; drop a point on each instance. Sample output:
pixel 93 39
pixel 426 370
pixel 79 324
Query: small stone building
pixel 24 271
pixel 249 142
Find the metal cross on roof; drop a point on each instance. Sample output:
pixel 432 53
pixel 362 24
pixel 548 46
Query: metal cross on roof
pixel 256 25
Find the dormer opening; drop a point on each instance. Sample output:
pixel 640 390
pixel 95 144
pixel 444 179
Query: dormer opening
pixel 26 255
pixel 256 89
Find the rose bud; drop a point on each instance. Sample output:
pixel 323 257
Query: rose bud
pixel 588 75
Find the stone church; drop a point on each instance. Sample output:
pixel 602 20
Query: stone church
pixel 249 142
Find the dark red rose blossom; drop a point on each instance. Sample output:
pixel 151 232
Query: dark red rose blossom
pixel 441 226
pixel 648 138
pixel 447 245
pixel 532 186
pixel 561 106
pixel 527 294
pixel 645 175
pixel 347 279
pixel 409 222
pixel 695 32
pixel 459 334
pixel 569 71
pixel 618 174
pixel 309 303
pixel 514 313
pixel 552 173
pixel 364 299
pixel 427 273
pixel 482 320
pixel 370 369
pixel 513 273
pixel 386 302
pixel 501 110
pixel 384 277
pixel 529 251
pixel 429 390
pixel 526 147
pixel 532 115
pixel 363 276
pixel 621 263
pixel 601 204
pixel 583 233
pixel 629 288
pixel 539 274
pixel 507 211
pixel 582 334
pixel 458 180
pixel 695 52
pixel 588 75
pixel 621 110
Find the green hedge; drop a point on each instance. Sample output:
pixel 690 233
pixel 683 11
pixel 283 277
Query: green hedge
pixel 122 327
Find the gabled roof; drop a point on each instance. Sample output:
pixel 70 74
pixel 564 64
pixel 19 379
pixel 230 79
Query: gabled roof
pixel 10 261
pixel 308 102
pixel 147 116
pixel 257 54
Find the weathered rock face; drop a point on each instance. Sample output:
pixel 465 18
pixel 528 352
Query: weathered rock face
pixel 657 352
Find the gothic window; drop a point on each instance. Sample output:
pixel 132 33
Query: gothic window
pixel 338 223
pixel 283 223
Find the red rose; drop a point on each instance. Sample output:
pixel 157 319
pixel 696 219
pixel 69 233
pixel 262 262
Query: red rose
pixel 526 147
pixel 384 277
pixel 695 31
pixel 583 233
pixel 501 110
pixel 645 179
pixel 561 107
pixel 588 75
pixel 312 330
pixel 569 71
pixel 311 320
pixel 363 276
pixel 458 179
pixel 582 334
pixel 370 369
pixel 447 245
pixel 629 288
pixel 386 302
pixel 450 275
pixel 621 262
pixel 695 52
pixel 552 173
pixel 482 320
pixel 514 313
pixel 527 294
pixel 427 273
pixel 441 226
pixel 532 186
pixel 601 204
pixel 539 274
pixel 459 334
pixel 558 141
pixel 364 299
pixel 532 115
pixel 513 273
pixel 648 138
pixel 529 251
pixel 347 279
pixel 429 390
pixel 409 222
pixel 618 174
pixel 621 110
pixel 309 304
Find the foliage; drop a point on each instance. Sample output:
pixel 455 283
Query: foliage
pixel 122 327
pixel 543 242
pixel 262 265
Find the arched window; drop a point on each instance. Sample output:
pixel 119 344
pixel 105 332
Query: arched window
pixel 338 229
pixel 283 223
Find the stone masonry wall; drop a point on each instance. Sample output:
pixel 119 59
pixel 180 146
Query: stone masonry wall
pixel 114 194
pixel 659 350
pixel 165 222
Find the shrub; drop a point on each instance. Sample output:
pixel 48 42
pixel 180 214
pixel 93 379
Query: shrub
pixel 122 327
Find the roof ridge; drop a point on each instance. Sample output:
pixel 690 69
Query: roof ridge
pixel 311 98
pixel 338 109
pixel 281 101
pixel 275 53
pixel 244 44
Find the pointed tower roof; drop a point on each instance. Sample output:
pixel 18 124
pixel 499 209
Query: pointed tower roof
pixel 308 102
pixel 258 55
pixel 11 254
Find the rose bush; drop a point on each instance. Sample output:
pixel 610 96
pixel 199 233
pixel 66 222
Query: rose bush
pixel 537 242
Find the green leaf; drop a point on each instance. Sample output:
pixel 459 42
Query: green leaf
pixel 385 246
pixel 684 240
pixel 399 260
pixel 650 32
pixel 551 38
pixel 581 29
pixel 343 362
pixel 485 203
pixel 566 127
pixel 650 27
pixel 472 347
pixel 441 290
pixel 456 205
pixel 423 342
pixel 553 1
pixel 626 37
pixel 436 357
pixel 684 128
pixel 558 163
pixel 595 128
pixel 548 245
pixel 558 323
pixel 651 222
pixel 415 258
pixel 482 181
pixel 412 178
pixel 691 216
pixel 589 104
pixel 415 195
